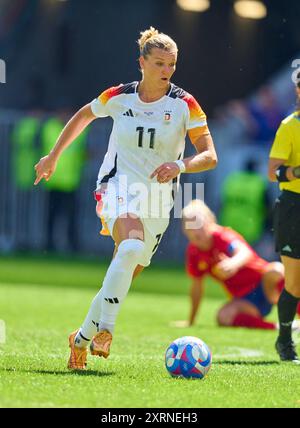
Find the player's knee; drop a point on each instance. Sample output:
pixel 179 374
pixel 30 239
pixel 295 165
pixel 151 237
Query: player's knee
pixel 293 287
pixel 223 318
pixel 276 270
pixel 279 268
pixel 131 250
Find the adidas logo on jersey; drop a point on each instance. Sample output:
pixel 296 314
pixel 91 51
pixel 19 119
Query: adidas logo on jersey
pixel 128 113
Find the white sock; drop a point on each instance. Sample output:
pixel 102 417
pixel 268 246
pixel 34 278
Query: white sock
pixel 118 279
pixel 106 326
pixel 81 341
pixel 91 323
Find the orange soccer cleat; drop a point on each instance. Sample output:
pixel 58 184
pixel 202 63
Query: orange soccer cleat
pixel 78 356
pixel 100 344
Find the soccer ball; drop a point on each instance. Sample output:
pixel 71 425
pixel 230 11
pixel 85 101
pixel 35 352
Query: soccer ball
pixel 188 357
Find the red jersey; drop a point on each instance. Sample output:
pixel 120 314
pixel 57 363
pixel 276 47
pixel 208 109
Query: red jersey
pixel 200 263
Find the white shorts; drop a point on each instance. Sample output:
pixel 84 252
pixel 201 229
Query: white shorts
pixel 117 202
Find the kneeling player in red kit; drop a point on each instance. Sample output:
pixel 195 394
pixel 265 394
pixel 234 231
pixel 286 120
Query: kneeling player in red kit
pixel 253 284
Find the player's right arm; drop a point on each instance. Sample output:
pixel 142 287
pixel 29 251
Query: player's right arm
pixel 275 163
pixel 196 295
pixel 192 266
pixel 46 166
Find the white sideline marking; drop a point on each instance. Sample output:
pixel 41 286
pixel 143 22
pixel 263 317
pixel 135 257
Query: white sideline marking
pixel 236 352
pixel 2 332
pixel 296 339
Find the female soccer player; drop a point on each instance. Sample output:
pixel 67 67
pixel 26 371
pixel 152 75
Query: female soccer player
pixel 284 166
pixel 145 153
pixel 252 283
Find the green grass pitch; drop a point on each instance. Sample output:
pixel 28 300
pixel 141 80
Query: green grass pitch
pixel 43 300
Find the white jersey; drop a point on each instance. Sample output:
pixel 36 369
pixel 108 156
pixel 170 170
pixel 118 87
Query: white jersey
pixel 145 135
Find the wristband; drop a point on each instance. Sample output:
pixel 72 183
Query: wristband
pixel 181 165
pixel 296 171
pixel 281 174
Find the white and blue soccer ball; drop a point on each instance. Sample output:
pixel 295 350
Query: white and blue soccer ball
pixel 188 357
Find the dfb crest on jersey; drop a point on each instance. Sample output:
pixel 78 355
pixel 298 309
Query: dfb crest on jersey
pixel 167 116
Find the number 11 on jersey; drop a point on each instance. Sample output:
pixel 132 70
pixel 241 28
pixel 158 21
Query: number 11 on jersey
pixel 151 131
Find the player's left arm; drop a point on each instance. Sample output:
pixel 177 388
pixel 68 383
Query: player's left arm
pixel 240 256
pixel 204 159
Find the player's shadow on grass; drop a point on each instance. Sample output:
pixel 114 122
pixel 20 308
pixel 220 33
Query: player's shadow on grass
pixel 62 372
pixel 75 373
pixel 246 363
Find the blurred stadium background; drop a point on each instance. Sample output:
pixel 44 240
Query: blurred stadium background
pixel 59 55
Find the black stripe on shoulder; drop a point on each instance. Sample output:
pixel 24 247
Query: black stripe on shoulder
pixel 176 92
pixel 128 88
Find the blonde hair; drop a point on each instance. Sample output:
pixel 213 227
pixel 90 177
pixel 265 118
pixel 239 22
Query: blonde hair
pixel 198 209
pixel 152 38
